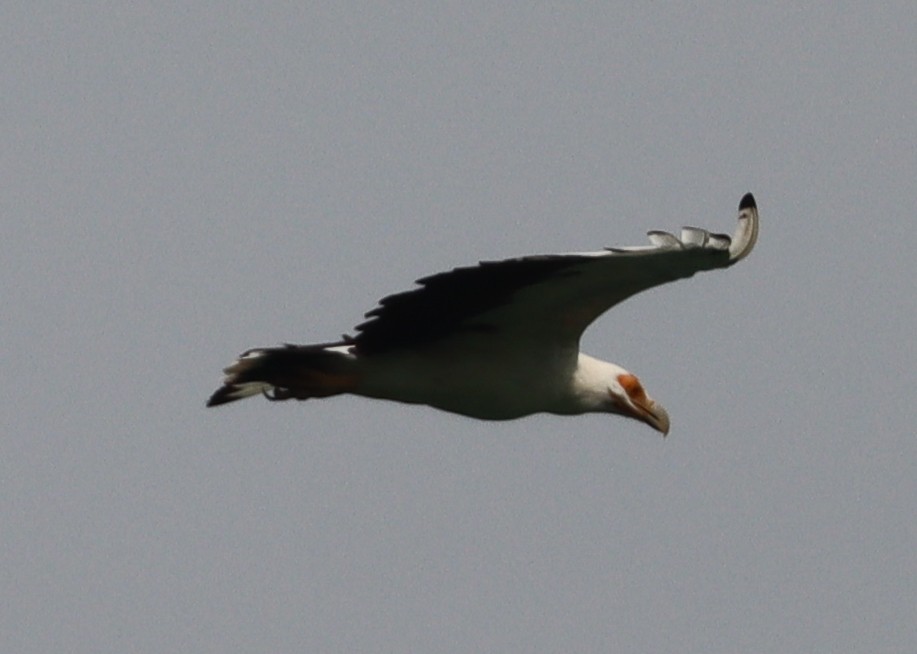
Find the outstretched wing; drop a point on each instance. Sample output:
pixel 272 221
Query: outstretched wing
pixel 550 298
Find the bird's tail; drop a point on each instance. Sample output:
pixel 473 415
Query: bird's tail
pixel 289 372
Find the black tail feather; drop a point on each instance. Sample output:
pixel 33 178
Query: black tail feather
pixel 292 371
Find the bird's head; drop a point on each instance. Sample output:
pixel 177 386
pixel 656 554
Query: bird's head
pixel 607 387
pixel 628 398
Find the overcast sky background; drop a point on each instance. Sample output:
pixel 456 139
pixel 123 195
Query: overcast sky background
pixel 183 181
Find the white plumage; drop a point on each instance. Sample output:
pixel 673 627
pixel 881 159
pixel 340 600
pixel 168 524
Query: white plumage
pixel 498 340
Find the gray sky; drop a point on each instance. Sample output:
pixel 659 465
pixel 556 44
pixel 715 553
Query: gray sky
pixel 182 181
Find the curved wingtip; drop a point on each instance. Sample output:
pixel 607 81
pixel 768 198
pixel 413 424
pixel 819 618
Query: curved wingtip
pixel 747 232
pixel 747 202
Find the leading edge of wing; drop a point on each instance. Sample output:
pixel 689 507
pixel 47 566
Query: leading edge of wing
pixel 538 287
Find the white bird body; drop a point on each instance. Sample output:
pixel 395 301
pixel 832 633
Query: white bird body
pixel 499 340
pixel 482 383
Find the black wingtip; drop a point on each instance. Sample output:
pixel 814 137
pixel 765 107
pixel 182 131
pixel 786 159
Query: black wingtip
pixel 747 202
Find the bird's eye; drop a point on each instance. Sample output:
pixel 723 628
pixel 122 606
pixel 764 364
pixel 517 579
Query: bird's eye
pixel 632 387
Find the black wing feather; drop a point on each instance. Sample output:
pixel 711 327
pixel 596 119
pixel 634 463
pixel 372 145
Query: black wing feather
pixel 445 302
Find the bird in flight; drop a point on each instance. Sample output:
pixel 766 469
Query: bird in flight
pixel 499 340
